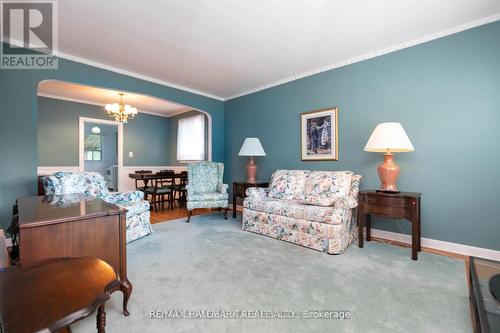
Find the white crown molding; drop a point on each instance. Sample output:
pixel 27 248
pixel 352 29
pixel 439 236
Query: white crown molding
pixel 123 71
pixel 76 100
pixel 135 75
pixel 373 54
pixel 369 55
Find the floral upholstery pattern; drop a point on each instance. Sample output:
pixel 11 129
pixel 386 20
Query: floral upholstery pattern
pixel 135 207
pixel 295 209
pixel 317 200
pixel 204 196
pixel 205 188
pixel 138 226
pixel 330 184
pixel 330 238
pixel 329 228
pixel 287 184
pixel 351 200
pixel 257 192
pixel 123 197
pixel 92 184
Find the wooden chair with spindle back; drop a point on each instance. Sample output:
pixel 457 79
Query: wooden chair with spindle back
pixel 162 187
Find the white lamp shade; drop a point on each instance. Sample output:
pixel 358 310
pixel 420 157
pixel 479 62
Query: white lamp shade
pixel 252 147
pixel 389 137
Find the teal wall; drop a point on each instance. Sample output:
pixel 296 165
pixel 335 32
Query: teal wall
pixel 446 93
pixel 172 151
pixel 18 125
pixel 147 136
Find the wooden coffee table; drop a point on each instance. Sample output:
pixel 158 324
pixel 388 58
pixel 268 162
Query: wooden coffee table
pixel 54 293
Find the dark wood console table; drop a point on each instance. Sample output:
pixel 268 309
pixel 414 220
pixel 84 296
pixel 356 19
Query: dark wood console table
pixel 239 190
pixel 402 205
pixel 74 226
pixel 51 294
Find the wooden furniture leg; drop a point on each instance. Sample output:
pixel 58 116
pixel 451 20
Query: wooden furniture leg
pixel 234 204
pixel 368 222
pixel 361 223
pixel 101 319
pixel 126 288
pixel 190 213
pixel 225 213
pixel 414 239
pixel 419 239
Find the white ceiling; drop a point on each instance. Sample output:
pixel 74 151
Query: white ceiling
pixel 228 48
pixel 99 96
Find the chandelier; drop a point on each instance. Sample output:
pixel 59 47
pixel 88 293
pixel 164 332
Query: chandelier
pixel 121 112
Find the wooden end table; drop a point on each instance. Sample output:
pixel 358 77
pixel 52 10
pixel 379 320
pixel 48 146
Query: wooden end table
pixel 239 190
pixel 51 294
pixel 402 205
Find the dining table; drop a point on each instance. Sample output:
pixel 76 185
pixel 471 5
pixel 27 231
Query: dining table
pixel 146 177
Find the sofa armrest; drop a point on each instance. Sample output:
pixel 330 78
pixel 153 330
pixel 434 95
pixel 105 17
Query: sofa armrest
pixel 122 197
pixel 222 188
pixel 257 192
pixel 347 202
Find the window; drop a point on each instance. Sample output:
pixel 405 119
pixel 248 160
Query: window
pixel 93 147
pixel 191 138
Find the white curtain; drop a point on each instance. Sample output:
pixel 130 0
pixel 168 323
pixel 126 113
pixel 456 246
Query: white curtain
pixel 191 139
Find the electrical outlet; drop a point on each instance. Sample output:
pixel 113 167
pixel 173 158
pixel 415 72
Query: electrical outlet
pixel 130 154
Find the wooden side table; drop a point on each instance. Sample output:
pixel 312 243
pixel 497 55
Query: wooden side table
pixel 239 190
pixel 51 294
pixel 402 205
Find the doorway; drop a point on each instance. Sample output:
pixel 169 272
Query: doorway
pixel 101 149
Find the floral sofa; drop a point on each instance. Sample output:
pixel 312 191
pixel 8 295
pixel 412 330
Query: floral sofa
pixel 315 209
pixel 94 185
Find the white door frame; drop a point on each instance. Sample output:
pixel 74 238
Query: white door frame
pixel 81 141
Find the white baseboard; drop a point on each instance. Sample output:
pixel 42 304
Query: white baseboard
pixel 433 244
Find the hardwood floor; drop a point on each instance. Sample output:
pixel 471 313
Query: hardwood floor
pixel 177 212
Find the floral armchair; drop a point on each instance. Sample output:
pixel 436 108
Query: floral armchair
pixel 205 188
pixel 93 184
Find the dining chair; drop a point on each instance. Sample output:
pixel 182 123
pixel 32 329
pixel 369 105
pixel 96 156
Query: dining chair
pixel 138 187
pixel 162 187
pixel 180 188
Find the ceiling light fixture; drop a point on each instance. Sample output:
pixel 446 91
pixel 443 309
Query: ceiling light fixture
pixel 121 112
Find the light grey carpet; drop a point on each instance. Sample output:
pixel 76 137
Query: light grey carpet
pixel 211 264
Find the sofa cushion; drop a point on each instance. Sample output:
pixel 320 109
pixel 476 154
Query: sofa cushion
pixel 207 196
pixel 275 206
pixel 296 210
pixel 317 200
pixel 287 184
pixel 331 184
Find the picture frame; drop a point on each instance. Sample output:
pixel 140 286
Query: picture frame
pixel 319 135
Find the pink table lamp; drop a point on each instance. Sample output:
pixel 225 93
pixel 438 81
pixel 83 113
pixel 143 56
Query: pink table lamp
pixel 389 138
pixel 251 147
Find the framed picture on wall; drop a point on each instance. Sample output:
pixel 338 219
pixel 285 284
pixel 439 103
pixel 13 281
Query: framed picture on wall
pixel 319 135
